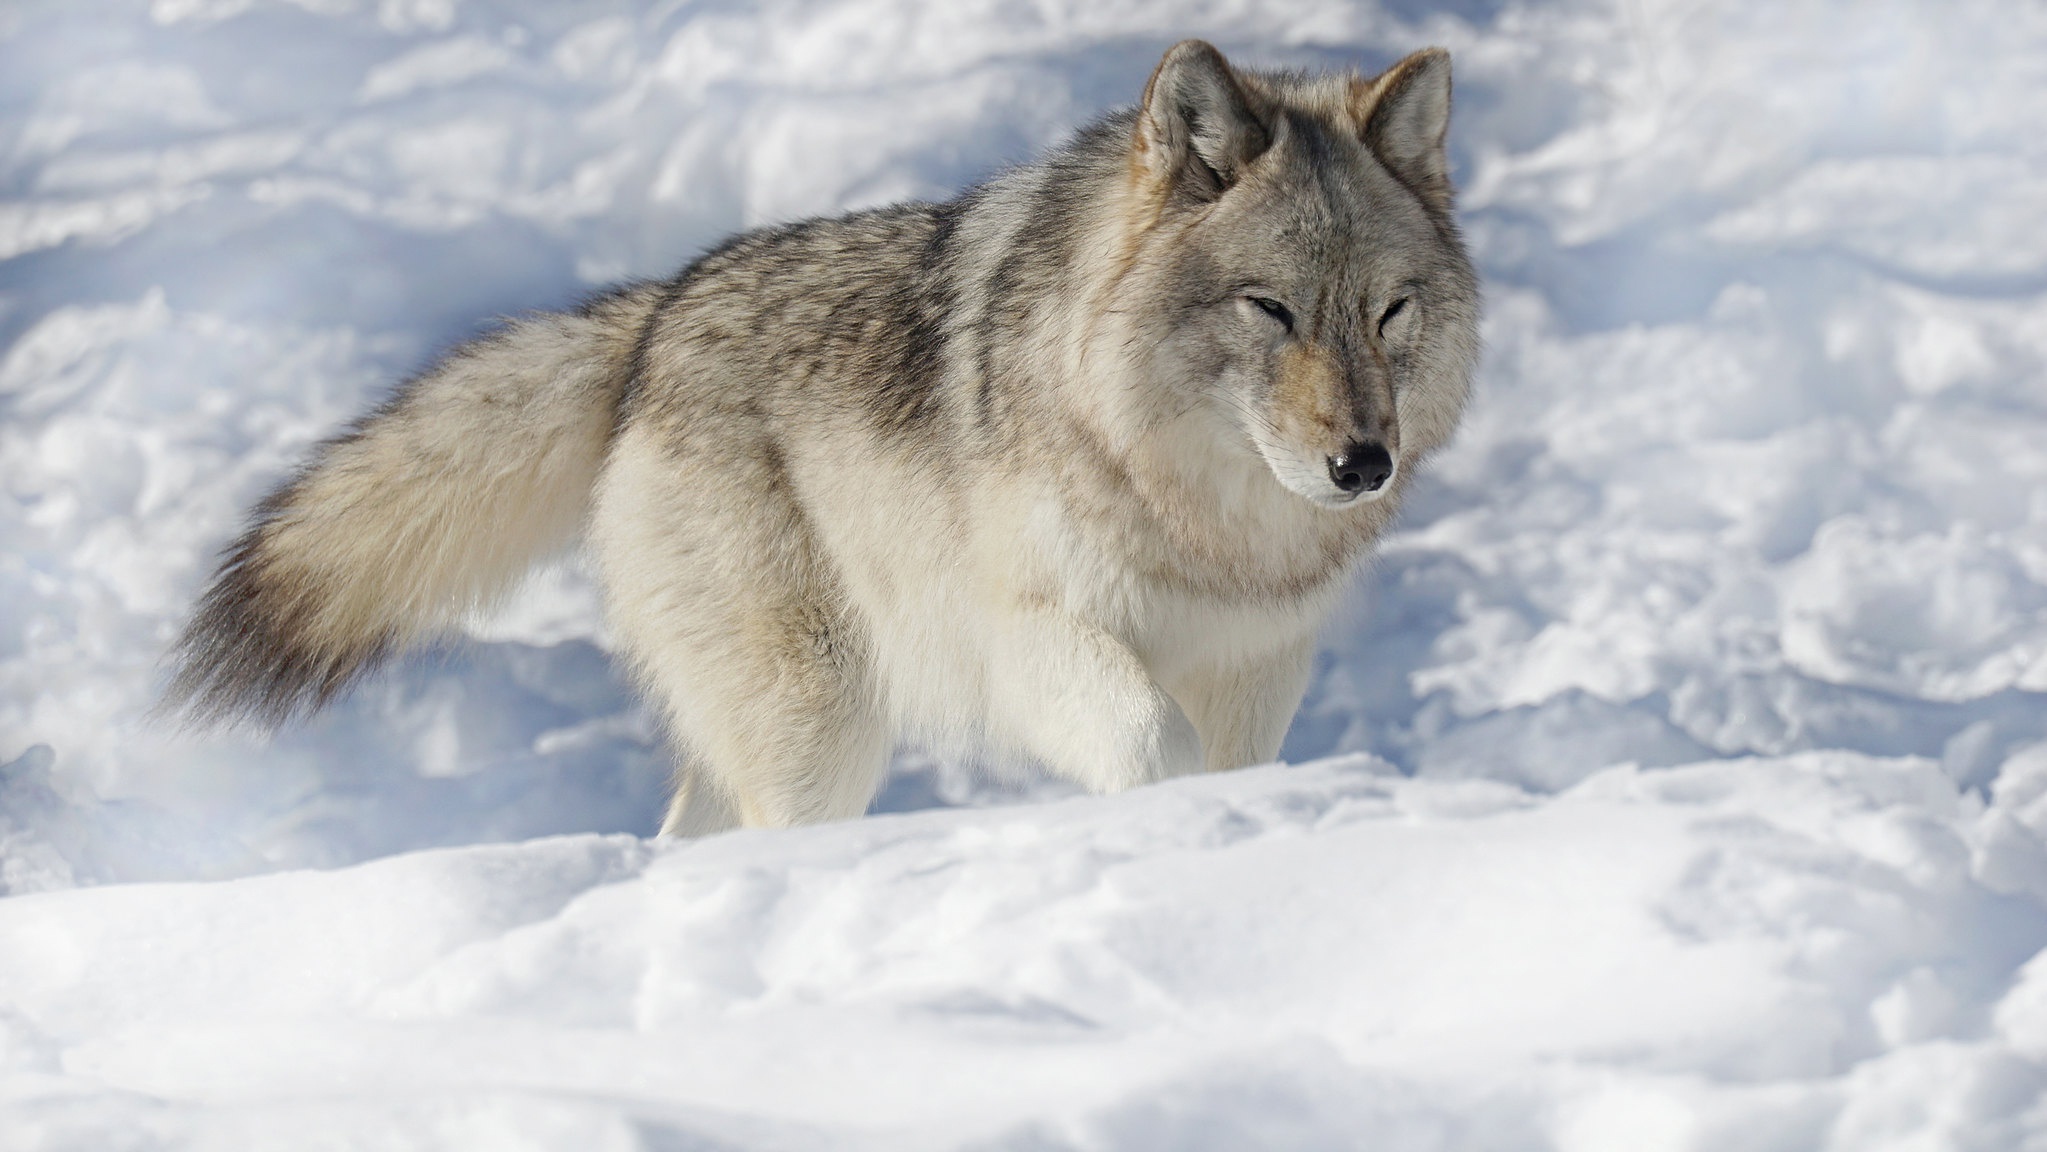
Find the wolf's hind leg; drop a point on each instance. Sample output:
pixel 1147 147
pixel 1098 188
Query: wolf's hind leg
pixel 776 757
pixel 735 627
pixel 771 738
pixel 696 808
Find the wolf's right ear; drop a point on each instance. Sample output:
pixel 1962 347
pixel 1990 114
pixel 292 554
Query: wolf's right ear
pixel 1403 115
pixel 1198 127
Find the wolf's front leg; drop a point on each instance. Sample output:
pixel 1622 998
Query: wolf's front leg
pixel 1081 701
pixel 1242 708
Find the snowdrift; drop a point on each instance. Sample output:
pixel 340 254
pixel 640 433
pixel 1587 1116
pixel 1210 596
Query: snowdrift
pixel 1737 954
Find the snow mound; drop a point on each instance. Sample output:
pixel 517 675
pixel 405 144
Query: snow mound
pixel 1748 953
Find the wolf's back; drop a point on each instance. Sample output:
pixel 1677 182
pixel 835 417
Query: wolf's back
pixel 438 501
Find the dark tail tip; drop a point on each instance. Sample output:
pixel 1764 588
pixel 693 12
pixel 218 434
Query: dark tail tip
pixel 248 656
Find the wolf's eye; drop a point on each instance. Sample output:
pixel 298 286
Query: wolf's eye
pixel 1392 310
pixel 1274 309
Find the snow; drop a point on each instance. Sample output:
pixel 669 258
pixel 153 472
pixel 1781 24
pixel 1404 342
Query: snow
pixel 1678 780
pixel 1330 955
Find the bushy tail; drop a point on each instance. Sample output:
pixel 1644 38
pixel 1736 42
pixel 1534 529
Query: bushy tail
pixel 437 502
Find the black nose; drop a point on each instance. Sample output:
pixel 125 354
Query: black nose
pixel 1362 466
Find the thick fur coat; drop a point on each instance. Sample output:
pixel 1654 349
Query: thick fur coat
pixel 1071 468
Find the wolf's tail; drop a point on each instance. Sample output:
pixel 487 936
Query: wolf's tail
pixel 437 502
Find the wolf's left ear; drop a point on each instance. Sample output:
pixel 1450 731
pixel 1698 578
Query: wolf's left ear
pixel 1198 127
pixel 1404 116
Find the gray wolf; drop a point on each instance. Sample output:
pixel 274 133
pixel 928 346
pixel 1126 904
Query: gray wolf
pixel 1070 469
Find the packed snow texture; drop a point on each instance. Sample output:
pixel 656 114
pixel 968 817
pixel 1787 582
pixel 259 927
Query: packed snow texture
pixel 1677 781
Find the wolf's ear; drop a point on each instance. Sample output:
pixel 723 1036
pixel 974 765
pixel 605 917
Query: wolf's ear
pixel 1403 114
pixel 1199 127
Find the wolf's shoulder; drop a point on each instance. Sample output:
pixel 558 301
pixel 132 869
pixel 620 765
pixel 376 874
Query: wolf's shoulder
pixel 858 245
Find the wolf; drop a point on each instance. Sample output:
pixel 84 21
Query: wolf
pixel 1070 469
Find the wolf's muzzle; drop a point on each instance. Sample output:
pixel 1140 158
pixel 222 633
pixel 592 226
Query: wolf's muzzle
pixel 1362 466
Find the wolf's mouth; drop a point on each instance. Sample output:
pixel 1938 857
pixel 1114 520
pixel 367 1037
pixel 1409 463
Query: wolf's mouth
pixel 1337 499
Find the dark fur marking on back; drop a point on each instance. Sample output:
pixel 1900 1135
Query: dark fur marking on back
pixel 907 394
pixel 1037 257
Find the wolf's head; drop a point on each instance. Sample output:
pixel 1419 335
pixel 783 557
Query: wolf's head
pixel 1313 291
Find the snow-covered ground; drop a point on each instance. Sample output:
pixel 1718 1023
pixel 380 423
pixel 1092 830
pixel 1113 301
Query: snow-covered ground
pixel 1679 782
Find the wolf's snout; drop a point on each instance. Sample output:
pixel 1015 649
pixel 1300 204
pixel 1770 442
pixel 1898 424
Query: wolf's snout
pixel 1362 466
